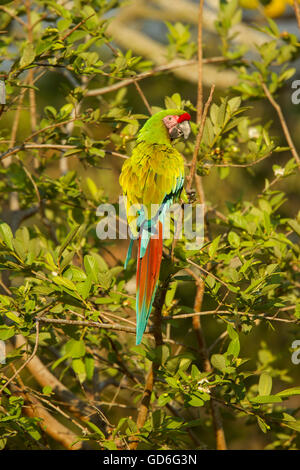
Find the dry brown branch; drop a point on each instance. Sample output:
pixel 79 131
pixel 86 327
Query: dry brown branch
pixel 49 424
pixel 76 27
pixel 283 123
pixel 107 326
pixel 228 312
pixel 297 11
pixel 27 360
pixel 203 352
pixel 200 63
pixel 44 377
pixel 59 147
pixel 176 64
pixel 142 95
pixel 144 406
pixel 10 13
pixel 200 285
pixel 207 272
pixel 198 140
pixel 32 101
pixel 130 38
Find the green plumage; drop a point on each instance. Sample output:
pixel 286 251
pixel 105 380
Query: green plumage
pixel 154 168
pixel 151 179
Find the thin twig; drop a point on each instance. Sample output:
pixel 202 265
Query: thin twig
pixel 107 326
pixel 77 26
pixel 32 101
pixel 198 140
pixel 297 11
pixel 162 68
pixel 200 63
pixel 142 95
pixel 60 147
pixel 228 312
pixel 12 15
pixel 200 285
pixel 283 123
pixel 240 165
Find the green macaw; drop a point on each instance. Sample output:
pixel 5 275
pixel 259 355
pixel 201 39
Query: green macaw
pixel 151 180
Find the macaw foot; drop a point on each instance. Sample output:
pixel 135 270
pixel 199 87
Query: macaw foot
pixel 191 194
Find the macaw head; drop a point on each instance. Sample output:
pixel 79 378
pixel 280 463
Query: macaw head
pixel 165 126
pixel 178 125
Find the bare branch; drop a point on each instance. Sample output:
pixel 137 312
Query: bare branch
pixel 176 64
pixel 107 326
pixel 198 140
pixel 297 11
pixel 283 123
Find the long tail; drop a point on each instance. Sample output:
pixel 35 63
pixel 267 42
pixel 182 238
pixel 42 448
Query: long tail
pixel 148 266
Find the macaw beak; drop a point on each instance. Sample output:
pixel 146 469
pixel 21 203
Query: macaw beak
pixel 182 129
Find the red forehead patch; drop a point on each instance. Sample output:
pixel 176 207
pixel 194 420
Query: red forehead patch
pixel 184 117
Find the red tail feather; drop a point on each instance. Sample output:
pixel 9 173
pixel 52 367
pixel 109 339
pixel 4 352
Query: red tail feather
pixel 148 268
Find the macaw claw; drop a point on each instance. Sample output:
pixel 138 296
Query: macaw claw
pixel 191 194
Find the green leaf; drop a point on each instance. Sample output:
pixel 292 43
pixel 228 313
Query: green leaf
pixel 79 369
pixel 68 240
pixel 262 424
pixel 6 235
pixel 89 367
pixel 95 429
pixel 28 56
pixel 289 392
pixel 12 316
pixel 265 384
pixel 234 345
pixel 64 282
pixel 105 279
pixel 219 362
pixel 91 267
pixel 214 247
pixel 295 226
pixel 47 390
pixel 84 288
pixel 163 399
pixel 92 188
pixel 263 399
pixel 234 239
pixel 6 332
pixel 208 133
pixel 293 425
pixel 75 349
pixel 196 401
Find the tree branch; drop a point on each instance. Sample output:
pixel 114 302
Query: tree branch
pixel 107 326
pixel 198 140
pixel 283 123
